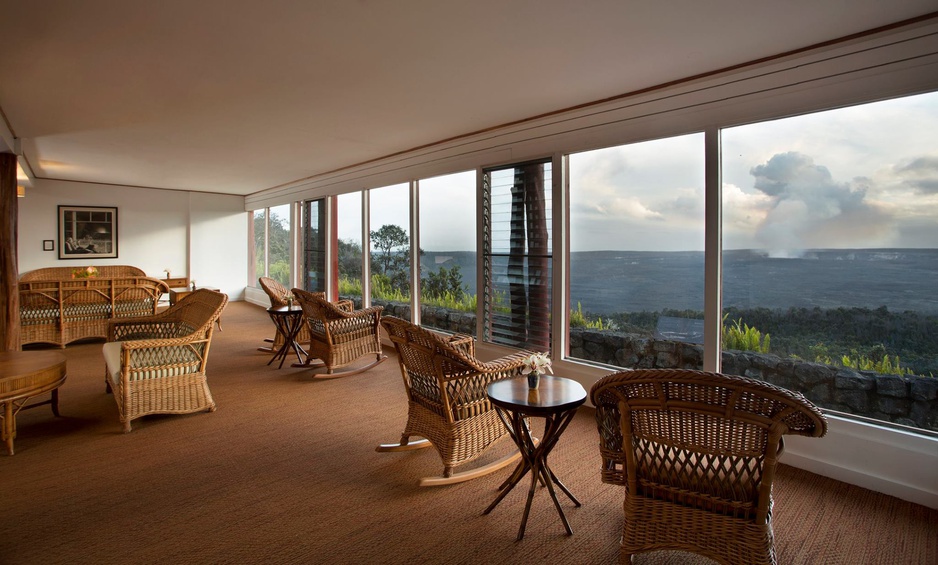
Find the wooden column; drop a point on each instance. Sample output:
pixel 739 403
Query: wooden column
pixel 9 289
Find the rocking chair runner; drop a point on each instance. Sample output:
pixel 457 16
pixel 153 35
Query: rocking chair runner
pixel 339 335
pixel 447 403
pixel 696 453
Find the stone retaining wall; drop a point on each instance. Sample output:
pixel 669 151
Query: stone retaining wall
pixel 906 400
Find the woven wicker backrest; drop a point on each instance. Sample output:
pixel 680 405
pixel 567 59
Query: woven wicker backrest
pixel 698 439
pixel 440 374
pixel 197 312
pixel 314 306
pixel 62 273
pixel 277 293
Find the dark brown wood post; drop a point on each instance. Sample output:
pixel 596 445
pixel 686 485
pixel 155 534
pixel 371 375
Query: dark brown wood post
pixel 9 289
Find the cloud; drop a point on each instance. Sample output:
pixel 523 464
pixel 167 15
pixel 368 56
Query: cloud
pixel 921 174
pixel 808 208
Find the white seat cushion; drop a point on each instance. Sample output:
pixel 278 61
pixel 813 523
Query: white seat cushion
pixel 112 357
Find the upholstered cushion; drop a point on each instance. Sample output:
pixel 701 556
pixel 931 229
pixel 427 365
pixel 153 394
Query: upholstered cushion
pixel 112 358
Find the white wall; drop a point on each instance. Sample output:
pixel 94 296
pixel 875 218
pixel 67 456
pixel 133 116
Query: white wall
pixel 218 242
pixel 197 234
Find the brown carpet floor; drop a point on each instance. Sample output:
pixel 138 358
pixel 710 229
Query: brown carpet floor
pixel 285 471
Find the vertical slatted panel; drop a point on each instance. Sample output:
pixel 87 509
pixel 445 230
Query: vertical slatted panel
pixel 517 257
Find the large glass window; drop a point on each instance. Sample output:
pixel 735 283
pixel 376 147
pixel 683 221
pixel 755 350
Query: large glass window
pixel 448 258
pixel 830 231
pixel 259 237
pixel 278 245
pixel 349 229
pixel 314 245
pixel 271 235
pixel 390 244
pixel 517 255
pixel 636 253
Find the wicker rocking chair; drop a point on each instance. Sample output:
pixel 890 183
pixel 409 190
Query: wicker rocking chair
pixel 696 453
pixel 338 334
pixel 447 404
pixel 156 364
pixel 279 296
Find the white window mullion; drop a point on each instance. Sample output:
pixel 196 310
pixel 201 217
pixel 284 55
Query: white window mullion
pixel 366 248
pixel 713 251
pixel 415 252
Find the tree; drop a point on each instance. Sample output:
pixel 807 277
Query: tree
pixel 444 282
pixel 387 240
pixel 350 259
pixel 392 256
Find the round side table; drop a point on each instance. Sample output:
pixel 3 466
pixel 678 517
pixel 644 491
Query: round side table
pixel 556 399
pixel 24 374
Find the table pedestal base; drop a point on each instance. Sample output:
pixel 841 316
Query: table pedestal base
pixel 534 459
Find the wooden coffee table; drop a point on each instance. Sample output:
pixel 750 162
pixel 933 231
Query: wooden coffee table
pixel 24 374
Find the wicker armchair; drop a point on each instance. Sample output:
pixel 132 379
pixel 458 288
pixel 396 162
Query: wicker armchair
pixel 696 453
pixel 279 296
pixel 156 364
pixel 447 403
pixel 339 335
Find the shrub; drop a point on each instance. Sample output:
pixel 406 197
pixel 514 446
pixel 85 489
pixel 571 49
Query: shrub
pixel 742 337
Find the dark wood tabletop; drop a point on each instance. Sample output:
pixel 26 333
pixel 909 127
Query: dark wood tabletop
pixel 553 394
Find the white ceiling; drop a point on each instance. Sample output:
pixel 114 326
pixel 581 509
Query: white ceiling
pixel 237 96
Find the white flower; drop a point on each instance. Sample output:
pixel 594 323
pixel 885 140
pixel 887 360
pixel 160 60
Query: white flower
pixel 536 363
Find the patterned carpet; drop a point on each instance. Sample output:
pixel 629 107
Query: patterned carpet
pixel 285 471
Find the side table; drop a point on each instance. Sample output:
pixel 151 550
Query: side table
pixel 24 374
pixel 556 400
pixel 289 320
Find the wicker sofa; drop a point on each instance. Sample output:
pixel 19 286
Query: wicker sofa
pixel 57 308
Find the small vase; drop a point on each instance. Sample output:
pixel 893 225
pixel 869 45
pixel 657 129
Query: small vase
pixel 534 379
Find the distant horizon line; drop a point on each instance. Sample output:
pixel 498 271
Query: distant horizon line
pixel 805 250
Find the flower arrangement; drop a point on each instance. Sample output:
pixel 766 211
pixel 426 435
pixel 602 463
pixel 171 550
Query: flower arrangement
pixel 85 273
pixel 537 363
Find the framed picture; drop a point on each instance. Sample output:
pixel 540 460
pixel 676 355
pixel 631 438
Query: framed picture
pixel 48 245
pixel 87 232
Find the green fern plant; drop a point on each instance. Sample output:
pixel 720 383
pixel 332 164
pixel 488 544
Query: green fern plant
pixel 742 337
pixel 579 320
pixel 885 366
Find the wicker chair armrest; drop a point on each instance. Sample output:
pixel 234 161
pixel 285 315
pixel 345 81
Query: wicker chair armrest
pixel 352 323
pixel 508 364
pixel 610 444
pixel 336 313
pixel 159 343
pixel 345 305
pixel 464 343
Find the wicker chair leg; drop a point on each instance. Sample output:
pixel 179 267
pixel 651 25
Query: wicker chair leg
pixel 127 427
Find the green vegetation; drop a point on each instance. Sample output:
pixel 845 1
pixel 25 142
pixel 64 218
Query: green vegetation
pixel 875 359
pixel 742 337
pixel 278 248
pixel 580 320
pixel 382 289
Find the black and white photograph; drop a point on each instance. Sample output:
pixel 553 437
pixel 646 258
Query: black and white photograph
pixel 87 231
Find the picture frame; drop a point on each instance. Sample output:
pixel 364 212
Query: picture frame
pixel 87 232
pixel 48 245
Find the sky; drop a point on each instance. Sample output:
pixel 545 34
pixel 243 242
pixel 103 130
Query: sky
pixel 863 176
